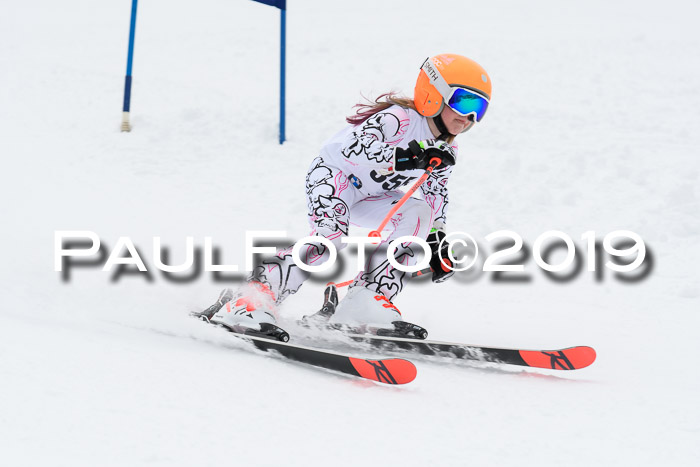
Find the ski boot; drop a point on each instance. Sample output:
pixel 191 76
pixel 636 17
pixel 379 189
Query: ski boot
pixel 251 310
pixel 365 311
pixel 225 296
pixel 321 317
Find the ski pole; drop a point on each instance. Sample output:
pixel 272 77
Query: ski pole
pixel 434 162
pixel 445 264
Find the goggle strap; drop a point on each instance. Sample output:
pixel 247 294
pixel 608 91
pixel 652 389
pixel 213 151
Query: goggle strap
pixel 436 79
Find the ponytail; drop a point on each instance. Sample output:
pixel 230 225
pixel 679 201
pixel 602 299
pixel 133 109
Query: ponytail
pixel 383 102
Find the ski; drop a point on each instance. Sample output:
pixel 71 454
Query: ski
pixel 571 358
pixel 387 371
pixel 408 337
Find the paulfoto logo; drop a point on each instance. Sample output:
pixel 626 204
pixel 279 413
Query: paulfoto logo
pixel 626 254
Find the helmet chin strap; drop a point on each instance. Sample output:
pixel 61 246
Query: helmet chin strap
pixel 442 128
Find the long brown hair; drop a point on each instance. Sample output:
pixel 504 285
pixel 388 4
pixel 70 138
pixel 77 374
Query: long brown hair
pixel 382 102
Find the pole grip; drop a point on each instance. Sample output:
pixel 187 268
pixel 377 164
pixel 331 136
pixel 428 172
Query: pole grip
pixel 446 265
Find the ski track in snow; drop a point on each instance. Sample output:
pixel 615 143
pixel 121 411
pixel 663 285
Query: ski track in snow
pixel 593 126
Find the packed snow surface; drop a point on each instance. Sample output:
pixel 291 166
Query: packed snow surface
pixel 593 126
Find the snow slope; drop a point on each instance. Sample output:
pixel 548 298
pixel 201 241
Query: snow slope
pixel 593 126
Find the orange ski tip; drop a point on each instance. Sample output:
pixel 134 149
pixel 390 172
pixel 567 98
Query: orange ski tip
pixel 390 371
pixel 573 358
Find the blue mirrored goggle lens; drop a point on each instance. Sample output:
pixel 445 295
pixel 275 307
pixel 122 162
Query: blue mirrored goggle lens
pixel 465 102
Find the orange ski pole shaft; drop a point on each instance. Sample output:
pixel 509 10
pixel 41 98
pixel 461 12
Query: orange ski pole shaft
pixel 340 284
pixel 434 162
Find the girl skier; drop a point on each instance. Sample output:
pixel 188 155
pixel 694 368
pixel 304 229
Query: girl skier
pixel 356 179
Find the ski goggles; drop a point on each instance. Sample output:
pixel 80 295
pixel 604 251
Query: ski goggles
pixel 463 101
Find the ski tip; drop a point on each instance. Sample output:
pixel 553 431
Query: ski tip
pixel 390 371
pixel 573 358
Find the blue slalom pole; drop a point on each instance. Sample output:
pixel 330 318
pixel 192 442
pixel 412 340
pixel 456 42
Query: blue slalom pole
pixel 282 5
pixel 283 34
pixel 130 60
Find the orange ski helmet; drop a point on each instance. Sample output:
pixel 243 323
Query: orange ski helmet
pixel 458 71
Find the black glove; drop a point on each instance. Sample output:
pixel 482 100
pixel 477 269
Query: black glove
pixel 419 154
pixel 441 270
